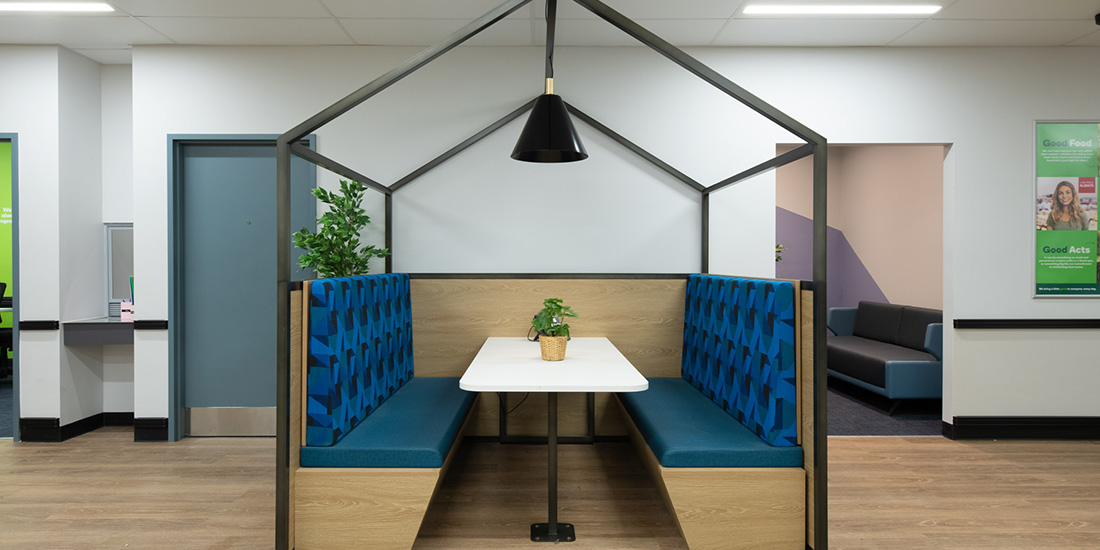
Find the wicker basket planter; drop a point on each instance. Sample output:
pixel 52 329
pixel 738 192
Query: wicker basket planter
pixel 552 347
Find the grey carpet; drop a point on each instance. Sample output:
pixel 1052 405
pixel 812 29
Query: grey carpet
pixel 6 429
pixel 855 411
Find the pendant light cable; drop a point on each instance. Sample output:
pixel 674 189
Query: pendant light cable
pixel 551 18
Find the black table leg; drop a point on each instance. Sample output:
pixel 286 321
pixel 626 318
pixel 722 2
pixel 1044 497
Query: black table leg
pixel 552 531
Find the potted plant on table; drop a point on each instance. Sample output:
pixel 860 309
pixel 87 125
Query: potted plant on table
pixel 552 328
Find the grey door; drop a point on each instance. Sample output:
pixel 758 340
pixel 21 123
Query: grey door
pixel 226 281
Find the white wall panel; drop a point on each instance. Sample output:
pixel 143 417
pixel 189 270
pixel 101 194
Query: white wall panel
pixel 81 383
pixel 29 108
pixel 83 264
pixel 82 283
pixel 150 374
pixel 39 374
pixel 1021 368
pixel 118 143
pixel 118 378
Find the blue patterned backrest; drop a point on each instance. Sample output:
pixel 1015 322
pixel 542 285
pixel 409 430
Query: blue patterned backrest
pixel 739 351
pixel 360 350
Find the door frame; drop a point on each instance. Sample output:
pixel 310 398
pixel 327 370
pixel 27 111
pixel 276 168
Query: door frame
pixel 176 143
pixel 13 138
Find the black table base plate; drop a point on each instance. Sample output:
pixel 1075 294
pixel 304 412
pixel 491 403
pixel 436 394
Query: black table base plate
pixel 540 532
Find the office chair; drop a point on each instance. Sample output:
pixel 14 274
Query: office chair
pixel 5 341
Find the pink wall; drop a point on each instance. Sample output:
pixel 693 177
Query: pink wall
pixel 887 201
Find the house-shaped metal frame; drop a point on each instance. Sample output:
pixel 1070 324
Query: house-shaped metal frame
pixel 816 145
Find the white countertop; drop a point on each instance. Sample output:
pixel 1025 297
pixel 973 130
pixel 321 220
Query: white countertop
pixel 516 365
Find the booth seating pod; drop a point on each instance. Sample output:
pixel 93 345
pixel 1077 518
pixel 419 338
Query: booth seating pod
pixel 377 440
pixel 722 441
pixel 893 350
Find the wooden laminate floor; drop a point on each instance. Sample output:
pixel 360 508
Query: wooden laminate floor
pixel 932 493
pixel 493 493
pixel 102 490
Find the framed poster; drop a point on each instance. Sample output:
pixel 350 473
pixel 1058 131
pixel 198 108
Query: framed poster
pixel 1066 238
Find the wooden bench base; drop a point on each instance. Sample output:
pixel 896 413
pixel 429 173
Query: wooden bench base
pixel 356 508
pixel 380 508
pixel 730 508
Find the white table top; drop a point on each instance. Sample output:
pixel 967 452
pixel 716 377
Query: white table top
pixel 516 365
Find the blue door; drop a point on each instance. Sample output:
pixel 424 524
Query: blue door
pixel 226 281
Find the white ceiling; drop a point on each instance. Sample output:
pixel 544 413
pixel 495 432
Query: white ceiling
pixel 108 38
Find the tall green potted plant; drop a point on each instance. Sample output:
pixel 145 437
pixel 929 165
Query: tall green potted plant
pixel 334 250
pixel 552 328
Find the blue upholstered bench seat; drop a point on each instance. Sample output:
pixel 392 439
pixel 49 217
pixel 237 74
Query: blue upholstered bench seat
pixel 685 429
pixel 414 428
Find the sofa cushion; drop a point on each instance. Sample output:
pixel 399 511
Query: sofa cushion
pixel 360 350
pixel 878 321
pixel 739 337
pixel 914 324
pixel 414 428
pixel 866 359
pixel 686 429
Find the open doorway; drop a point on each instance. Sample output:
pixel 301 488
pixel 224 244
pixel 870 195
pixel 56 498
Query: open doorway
pixel 885 246
pixel 8 400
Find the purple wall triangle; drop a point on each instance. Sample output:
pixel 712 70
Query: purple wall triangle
pixel 848 279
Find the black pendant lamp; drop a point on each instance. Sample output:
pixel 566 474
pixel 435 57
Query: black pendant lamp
pixel 549 135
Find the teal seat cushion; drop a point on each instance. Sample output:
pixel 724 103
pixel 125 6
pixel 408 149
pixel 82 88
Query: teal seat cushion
pixel 685 429
pixel 414 428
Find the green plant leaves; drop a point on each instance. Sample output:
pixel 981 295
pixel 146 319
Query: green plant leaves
pixel 550 319
pixel 334 250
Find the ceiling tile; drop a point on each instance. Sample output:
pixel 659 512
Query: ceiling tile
pixel 1020 9
pixel 650 9
pixel 77 32
pixel 415 9
pixel 1088 40
pixel 813 32
pixel 681 32
pixel 249 32
pixel 109 57
pixel 959 32
pixel 425 32
pixel 221 8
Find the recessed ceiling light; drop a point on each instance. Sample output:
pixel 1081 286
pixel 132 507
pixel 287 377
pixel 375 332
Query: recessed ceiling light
pixel 838 9
pixel 55 6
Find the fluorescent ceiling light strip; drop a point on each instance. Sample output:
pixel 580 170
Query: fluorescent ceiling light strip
pixel 55 6
pixel 836 9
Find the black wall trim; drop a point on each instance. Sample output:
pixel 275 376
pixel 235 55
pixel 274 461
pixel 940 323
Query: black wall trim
pixel 51 430
pixel 118 419
pixel 39 325
pixel 1027 323
pixel 1023 427
pixel 151 324
pixel 40 429
pixel 150 429
pixel 548 275
pixel 81 427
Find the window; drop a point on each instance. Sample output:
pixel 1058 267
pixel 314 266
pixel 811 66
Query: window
pixel 120 265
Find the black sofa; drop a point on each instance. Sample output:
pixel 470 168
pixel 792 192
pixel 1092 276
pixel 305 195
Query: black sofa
pixel 892 350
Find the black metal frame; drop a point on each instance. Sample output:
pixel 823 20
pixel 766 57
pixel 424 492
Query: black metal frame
pixel 590 422
pixel 816 145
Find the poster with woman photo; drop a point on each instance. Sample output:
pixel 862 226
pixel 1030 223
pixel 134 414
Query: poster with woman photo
pixel 1067 240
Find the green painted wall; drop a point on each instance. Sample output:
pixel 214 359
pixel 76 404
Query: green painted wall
pixel 5 222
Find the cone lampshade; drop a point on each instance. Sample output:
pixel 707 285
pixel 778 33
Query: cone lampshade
pixel 549 135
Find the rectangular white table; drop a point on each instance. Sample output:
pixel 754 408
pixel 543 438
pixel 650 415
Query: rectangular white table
pixel 516 365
